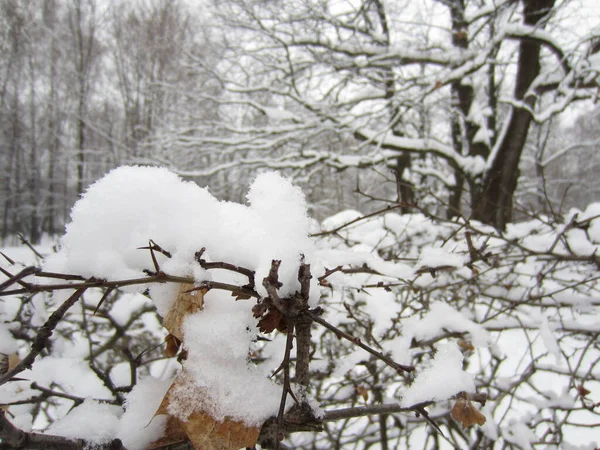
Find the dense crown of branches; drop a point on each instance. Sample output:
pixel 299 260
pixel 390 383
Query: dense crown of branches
pixel 414 100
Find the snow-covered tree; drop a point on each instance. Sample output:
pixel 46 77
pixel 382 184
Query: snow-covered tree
pixel 444 92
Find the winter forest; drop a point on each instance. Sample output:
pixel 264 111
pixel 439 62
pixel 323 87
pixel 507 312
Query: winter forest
pixel 299 224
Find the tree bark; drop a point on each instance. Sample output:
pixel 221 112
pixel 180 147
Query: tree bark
pixel 493 203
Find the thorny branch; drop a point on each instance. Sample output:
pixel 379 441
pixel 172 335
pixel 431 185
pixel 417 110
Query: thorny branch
pixel 43 336
pixel 294 311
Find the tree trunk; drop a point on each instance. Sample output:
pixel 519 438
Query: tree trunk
pixel 493 202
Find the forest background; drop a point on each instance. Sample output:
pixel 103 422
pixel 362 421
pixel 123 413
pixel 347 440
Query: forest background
pixel 430 104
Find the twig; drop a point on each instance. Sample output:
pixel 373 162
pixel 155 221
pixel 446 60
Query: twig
pixel 153 246
pixel 303 326
pixel 104 297
pixel 10 260
pixel 225 266
pixel 286 383
pixel 43 336
pixel 28 244
pixel 234 289
pixel 271 283
pixel 368 216
pixel 91 283
pixel 18 277
pixel 329 272
pixel 356 341
pixel 361 411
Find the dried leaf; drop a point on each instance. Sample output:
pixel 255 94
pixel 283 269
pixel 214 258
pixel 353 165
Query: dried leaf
pixel 464 412
pixel 466 346
pixel 199 427
pixel 273 320
pixel 189 300
pixel 582 391
pixel 202 430
pixel 173 345
pixel 13 360
pixel 364 392
pixel 7 363
pixel 208 434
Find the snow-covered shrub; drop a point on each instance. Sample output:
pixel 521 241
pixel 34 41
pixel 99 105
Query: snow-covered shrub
pixel 412 319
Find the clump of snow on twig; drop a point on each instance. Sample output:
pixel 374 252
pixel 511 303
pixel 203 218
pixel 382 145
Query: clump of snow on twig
pixel 442 379
pixel 96 421
pixel 132 205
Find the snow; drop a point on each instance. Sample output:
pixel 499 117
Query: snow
pixel 99 423
pixel 96 421
pixel 222 382
pixel 74 376
pixel 433 257
pixel 518 433
pixel 138 427
pixel 442 379
pixel 442 316
pixel 126 306
pixel 8 344
pixel 132 205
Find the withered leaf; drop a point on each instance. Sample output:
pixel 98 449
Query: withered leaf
pixel 465 345
pixel 582 391
pixel 173 345
pixel 189 300
pixel 363 392
pixel 464 412
pixel 273 320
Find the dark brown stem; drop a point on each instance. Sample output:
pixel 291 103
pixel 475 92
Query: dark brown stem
pixel 28 244
pixel 361 411
pixel 43 336
pixel 359 219
pixel 286 383
pixel 303 326
pixel 156 278
pixel 225 266
pixel 12 279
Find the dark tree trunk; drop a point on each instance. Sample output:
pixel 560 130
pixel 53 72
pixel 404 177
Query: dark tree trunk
pixel 404 188
pixel 493 202
pixel 463 130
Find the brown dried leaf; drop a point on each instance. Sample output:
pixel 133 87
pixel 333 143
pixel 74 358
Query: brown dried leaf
pixel 173 345
pixel 208 434
pixel 465 345
pixel 13 360
pixel 464 412
pixel 202 430
pixel 582 391
pixel 273 320
pixel 189 300
pixel 363 392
